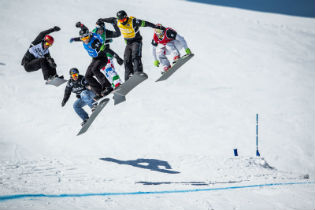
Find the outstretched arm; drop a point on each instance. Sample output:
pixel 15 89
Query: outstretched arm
pixel 75 39
pixel 144 23
pixel 66 95
pixel 113 34
pixel 154 45
pixel 42 34
pixel 113 21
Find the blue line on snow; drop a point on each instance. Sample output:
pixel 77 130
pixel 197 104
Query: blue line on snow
pixel 20 196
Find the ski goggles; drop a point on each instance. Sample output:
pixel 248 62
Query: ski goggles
pixel 159 33
pixel 85 38
pixel 48 44
pixel 123 20
pixel 74 75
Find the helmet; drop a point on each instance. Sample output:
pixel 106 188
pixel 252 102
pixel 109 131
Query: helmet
pixel 159 32
pixel 48 40
pixel 84 32
pixel 121 14
pixel 73 71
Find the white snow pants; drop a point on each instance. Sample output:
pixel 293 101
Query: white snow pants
pixel 172 48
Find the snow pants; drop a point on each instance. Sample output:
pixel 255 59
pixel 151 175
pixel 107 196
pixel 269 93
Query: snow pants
pixel 40 63
pixel 132 59
pixel 171 48
pixel 94 69
pixel 86 99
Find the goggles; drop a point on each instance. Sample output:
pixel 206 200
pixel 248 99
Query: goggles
pixel 85 38
pixel 123 20
pixel 159 33
pixel 48 44
pixel 74 75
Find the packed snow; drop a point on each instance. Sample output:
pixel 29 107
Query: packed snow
pixel 170 145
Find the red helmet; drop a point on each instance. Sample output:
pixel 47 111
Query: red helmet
pixel 48 40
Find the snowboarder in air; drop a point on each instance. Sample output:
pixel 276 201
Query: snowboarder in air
pixel 93 44
pixel 109 70
pixel 78 85
pixel 129 27
pixel 170 44
pixel 38 56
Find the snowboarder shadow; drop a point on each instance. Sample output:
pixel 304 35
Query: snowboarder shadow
pixel 152 164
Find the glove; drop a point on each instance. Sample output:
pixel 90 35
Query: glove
pixel 51 62
pixel 188 52
pixel 56 28
pixel 119 60
pixel 99 22
pixel 156 63
pixel 71 40
pixel 78 24
pixel 78 96
pixel 63 103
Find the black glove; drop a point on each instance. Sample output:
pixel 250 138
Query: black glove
pixel 160 27
pixel 78 24
pixel 78 96
pixel 100 23
pixel 56 28
pixel 63 103
pixel 119 60
pixel 51 62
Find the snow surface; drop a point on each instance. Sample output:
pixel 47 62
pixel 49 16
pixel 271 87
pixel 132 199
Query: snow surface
pixel 168 136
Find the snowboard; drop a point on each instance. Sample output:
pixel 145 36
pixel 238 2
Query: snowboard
pixel 56 81
pixel 125 88
pixel 94 114
pixel 181 61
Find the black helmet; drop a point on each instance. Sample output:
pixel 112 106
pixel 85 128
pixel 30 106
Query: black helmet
pixel 73 71
pixel 121 14
pixel 84 32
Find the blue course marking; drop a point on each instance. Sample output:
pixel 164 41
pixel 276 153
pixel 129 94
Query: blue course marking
pixel 21 196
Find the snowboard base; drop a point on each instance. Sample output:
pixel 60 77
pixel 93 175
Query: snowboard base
pixel 94 114
pixel 125 88
pixel 181 61
pixel 56 81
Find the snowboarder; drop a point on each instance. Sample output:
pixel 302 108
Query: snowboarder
pixel 107 36
pixel 109 69
pixel 93 43
pixel 78 85
pixel 38 56
pixel 129 27
pixel 170 44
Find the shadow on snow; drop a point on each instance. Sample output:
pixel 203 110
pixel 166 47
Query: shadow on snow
pixel 152 164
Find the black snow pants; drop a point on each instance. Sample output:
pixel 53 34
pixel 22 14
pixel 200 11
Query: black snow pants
pixel 40 63
pixel 94 69
pixel 132 59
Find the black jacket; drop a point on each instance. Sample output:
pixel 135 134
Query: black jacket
pixel 75 86
pixel 39 39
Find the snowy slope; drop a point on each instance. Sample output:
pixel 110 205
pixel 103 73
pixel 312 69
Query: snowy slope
pixel 168 136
